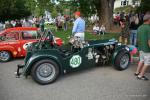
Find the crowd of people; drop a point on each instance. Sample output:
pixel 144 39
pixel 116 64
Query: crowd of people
pixel 60 22
pixel 129 24
pixel 22 23
pixel 136 29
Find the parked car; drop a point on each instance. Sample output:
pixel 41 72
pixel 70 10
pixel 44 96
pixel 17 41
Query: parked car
pixel 13 41
pixel 45 62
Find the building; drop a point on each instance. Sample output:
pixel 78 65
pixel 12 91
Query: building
pixel 122 3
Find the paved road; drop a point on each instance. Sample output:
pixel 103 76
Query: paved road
pixel 100 83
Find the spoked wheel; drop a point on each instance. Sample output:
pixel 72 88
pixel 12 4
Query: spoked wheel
pixel 122 61
pixel 45 72
pixel 5 56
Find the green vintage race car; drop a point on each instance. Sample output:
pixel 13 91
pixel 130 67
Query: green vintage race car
pixel 45 61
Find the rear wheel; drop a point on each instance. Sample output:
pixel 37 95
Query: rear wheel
pixel 122 61
pixel 5 56
pixel 45 72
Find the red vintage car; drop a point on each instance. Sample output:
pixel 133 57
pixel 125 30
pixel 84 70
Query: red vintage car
pixel 13 41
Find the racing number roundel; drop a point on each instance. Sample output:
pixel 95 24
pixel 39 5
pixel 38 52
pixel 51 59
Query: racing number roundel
pixel 75 61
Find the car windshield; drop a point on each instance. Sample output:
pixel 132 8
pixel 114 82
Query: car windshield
pixel 47 34
pixel 30 35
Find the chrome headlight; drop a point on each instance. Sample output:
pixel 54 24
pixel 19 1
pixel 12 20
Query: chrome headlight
pixel 119 44
pixel 127 48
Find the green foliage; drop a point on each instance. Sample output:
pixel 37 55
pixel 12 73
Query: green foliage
pixel 31 5
pixel 87 8
pixel 13 9
pixel 38 7
pixel 145 6
pixel 125 9
pixel 43 5
pixel 54 12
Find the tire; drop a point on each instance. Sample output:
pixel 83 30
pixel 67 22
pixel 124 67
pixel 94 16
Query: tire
pixel 45 72
pixel 122 60
pixel 5 56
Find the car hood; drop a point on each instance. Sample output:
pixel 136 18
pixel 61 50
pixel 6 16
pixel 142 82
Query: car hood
pixel 3 43
pixel 103 42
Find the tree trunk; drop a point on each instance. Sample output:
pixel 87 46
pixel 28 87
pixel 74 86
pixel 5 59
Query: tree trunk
pixel 105 12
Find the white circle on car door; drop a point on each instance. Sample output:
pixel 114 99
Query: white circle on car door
pixel 75 61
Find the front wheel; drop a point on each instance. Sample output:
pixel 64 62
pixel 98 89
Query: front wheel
pixel 45 72
pixel 5 56
pixel 122 60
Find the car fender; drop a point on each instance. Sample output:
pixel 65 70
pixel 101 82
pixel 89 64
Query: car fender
pixel 36 58
pixel 118 50
pixel 11 49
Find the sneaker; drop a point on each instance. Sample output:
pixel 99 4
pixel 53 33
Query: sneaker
pixel 136 74
pixel 142 78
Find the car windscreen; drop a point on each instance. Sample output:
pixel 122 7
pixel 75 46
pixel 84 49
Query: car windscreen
pixel 30 35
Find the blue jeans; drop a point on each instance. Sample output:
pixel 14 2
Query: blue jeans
pixel 133 37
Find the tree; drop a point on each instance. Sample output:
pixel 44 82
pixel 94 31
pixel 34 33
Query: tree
pixel 31 5
pixel 15 9
pixel 43 5
pixel 145 6
pixel 103 8
pixel 54 12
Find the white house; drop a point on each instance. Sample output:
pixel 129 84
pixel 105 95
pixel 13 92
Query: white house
pixel 122 3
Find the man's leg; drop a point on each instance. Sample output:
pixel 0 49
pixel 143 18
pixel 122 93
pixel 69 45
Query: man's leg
pixel 143 70
pixel 120 38
pixel 140 65
pixel 131 37
pixel 135 38
pixel 125 41
pixel 141 75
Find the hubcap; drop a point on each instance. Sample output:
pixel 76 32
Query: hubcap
pixel 4 56
pixel 124 61
pixel 45 71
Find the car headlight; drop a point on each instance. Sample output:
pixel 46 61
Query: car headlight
pixel 119 44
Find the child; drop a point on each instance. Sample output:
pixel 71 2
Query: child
pixel 96 29
pixel 102 29
pixel 133 51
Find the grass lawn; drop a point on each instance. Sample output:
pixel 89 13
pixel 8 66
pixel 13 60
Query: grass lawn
pixel 88 36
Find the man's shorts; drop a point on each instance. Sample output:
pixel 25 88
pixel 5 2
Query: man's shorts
pixel 145 57
pixel 81 35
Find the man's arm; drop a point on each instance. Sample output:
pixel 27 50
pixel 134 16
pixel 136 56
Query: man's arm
pixel 149 43
pixel 149 39
pixel 74 27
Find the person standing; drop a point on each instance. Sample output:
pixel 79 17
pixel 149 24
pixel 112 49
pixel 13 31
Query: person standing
pixel 144 48
pixel 26 23
pixel 65 22
pixel 134 24
pixel 79 26
pixel 42 21
pixel 123 38
pixel 18 23
pixel 1 26
pixel 8 25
